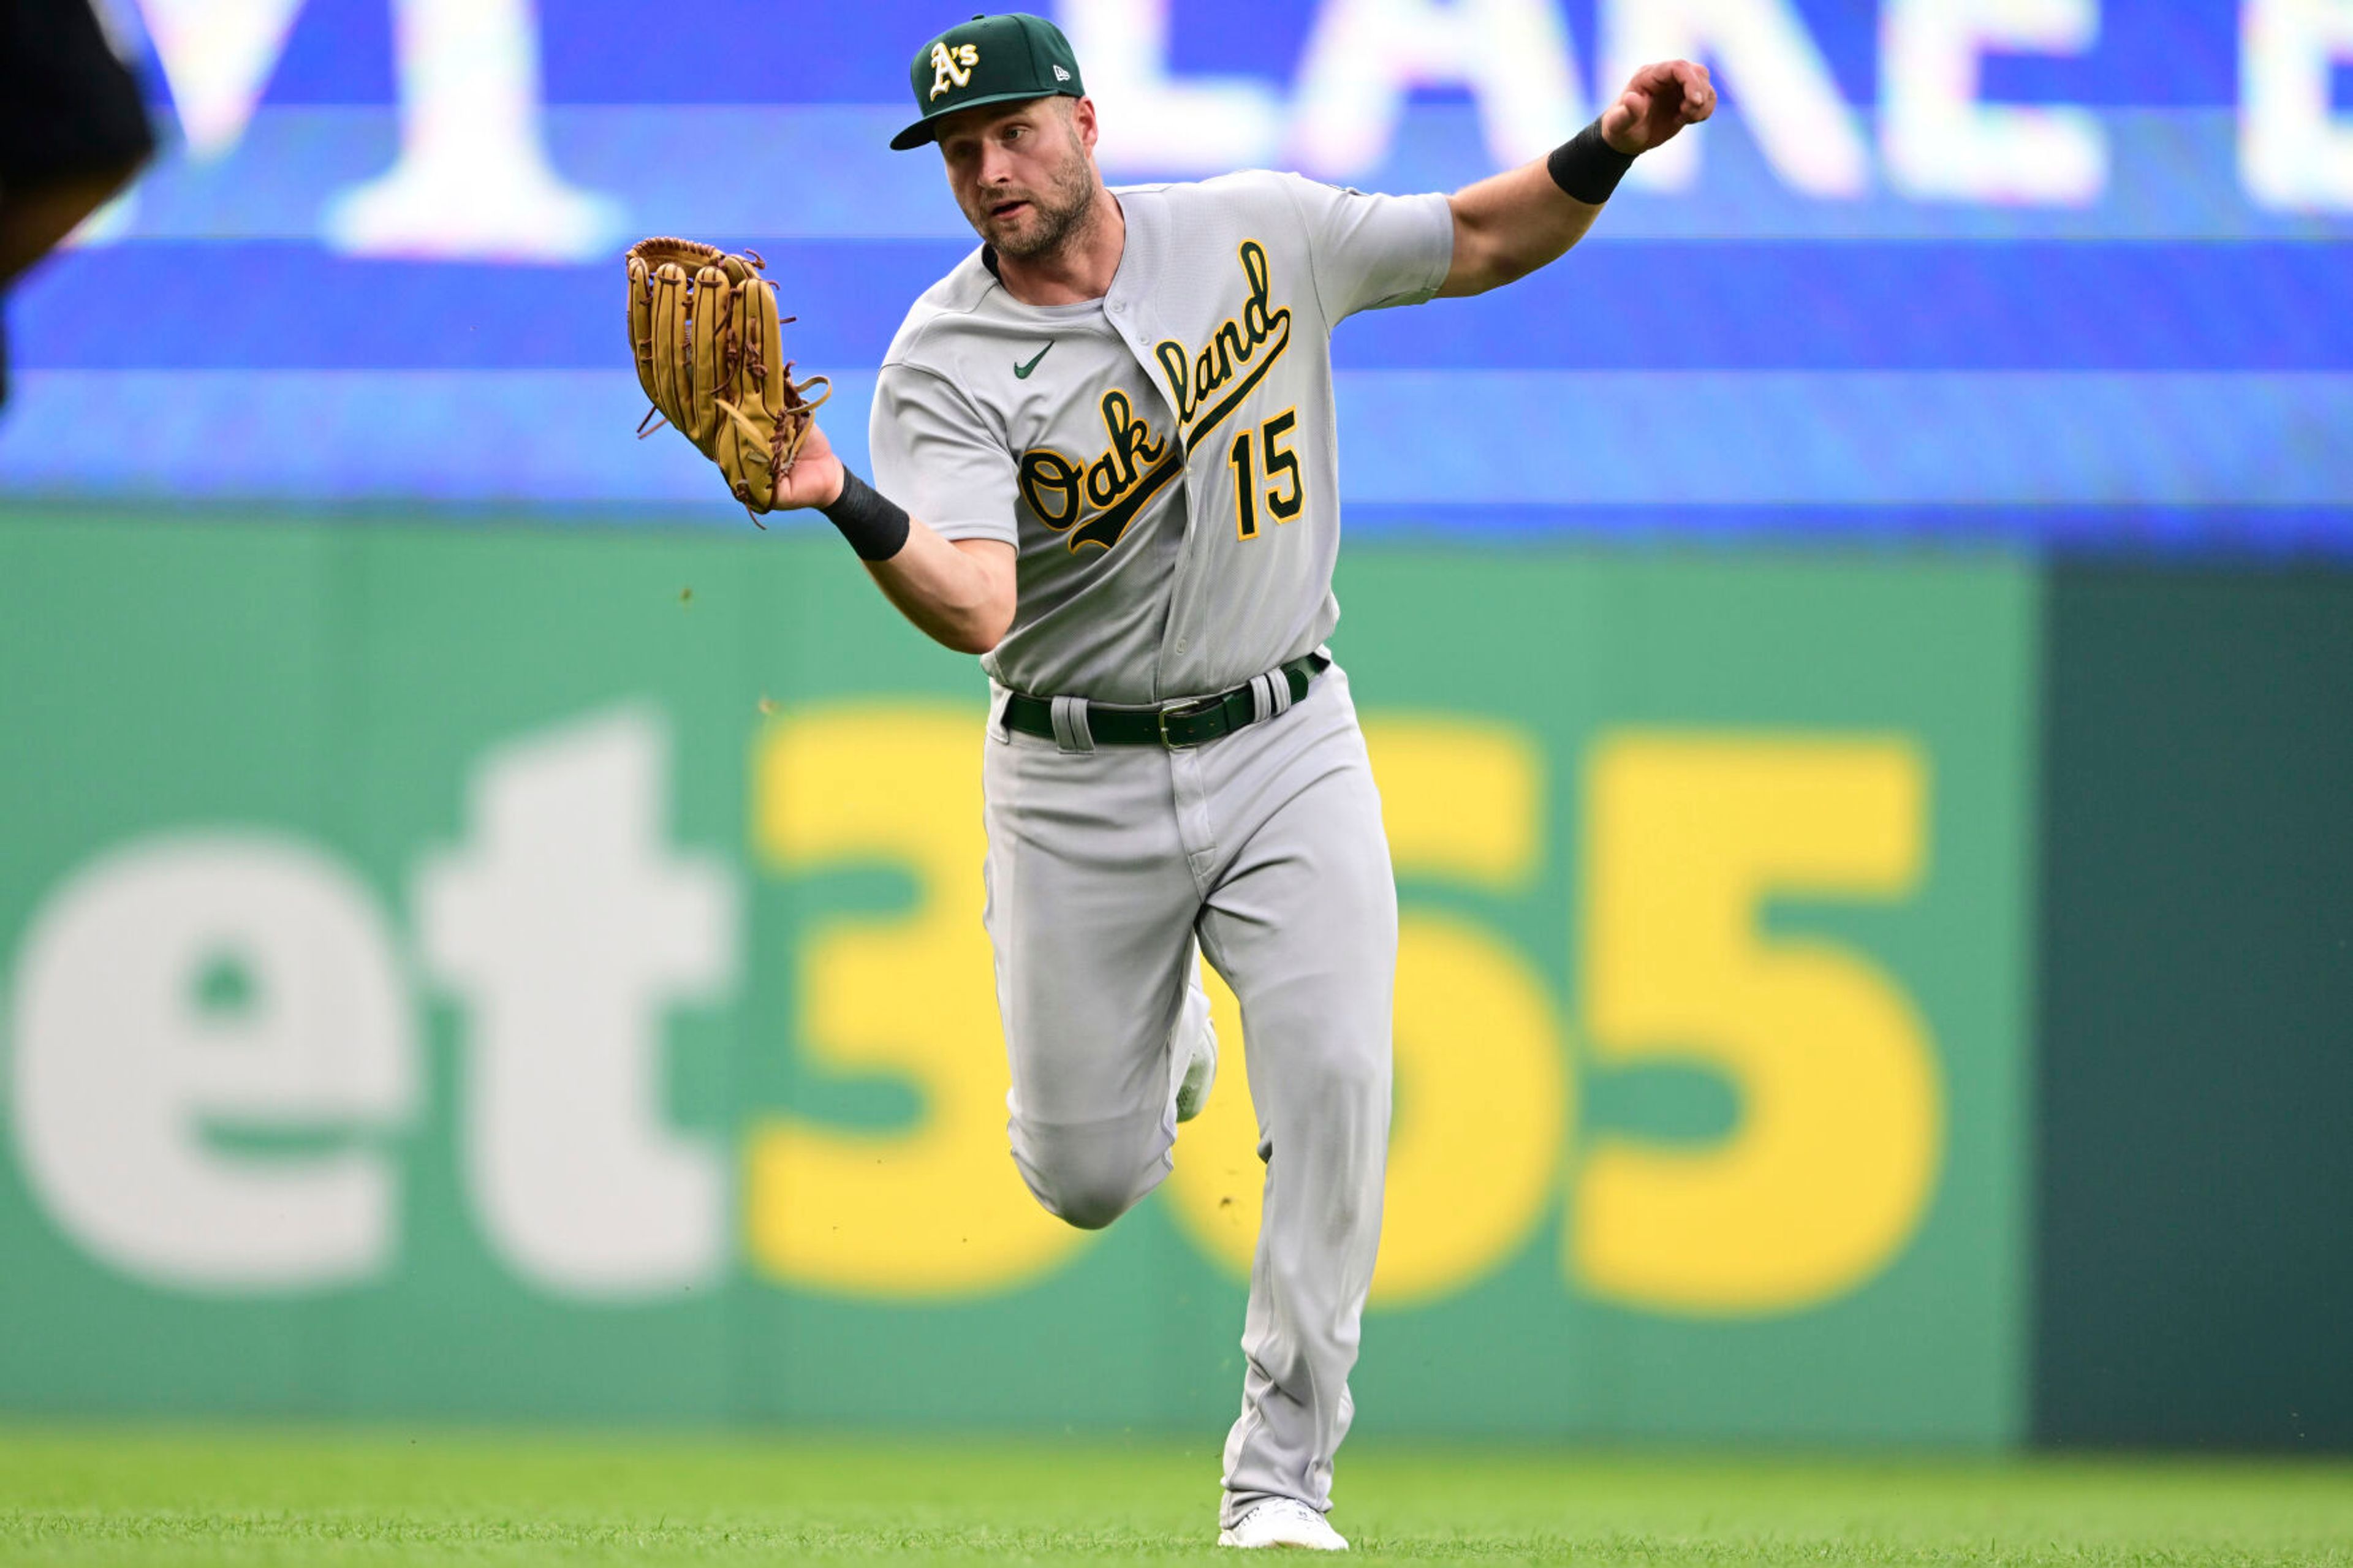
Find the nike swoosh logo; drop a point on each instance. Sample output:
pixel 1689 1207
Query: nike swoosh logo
pixel 1021 371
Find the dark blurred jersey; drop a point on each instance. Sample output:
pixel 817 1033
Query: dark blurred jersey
pixel 69 106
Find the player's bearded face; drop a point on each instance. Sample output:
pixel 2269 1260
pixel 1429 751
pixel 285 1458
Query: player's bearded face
pixel 1040 191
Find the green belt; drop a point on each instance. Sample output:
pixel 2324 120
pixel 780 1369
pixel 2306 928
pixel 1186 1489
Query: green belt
pixel 1176 726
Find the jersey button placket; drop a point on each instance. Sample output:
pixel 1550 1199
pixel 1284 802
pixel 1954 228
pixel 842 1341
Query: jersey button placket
pixel 1134 336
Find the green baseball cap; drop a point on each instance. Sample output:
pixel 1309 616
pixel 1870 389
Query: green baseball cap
pixel 989 59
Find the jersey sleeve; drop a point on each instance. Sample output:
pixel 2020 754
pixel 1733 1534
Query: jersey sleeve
pixel 935 456
pixel 1371 251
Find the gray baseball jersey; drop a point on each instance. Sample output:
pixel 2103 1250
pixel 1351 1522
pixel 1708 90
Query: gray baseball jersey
pixel 1163 459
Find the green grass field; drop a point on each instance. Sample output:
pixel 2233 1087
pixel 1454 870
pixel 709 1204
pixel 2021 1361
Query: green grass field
pixel 251 1496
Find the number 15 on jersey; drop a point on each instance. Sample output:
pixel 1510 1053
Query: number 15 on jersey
pixel 1284 488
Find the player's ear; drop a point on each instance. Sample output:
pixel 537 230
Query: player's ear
pixel 1082 117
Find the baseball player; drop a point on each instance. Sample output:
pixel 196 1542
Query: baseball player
pixel 1105 462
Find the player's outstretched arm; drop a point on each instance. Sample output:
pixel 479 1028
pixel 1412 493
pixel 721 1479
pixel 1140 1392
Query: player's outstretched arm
pixel 1507 226
pixel 959 594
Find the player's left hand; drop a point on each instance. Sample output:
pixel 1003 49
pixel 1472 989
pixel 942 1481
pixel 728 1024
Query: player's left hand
pixel 815 476
pixel 1660 100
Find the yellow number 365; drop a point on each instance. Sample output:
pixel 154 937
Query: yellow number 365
pixel 1824 1177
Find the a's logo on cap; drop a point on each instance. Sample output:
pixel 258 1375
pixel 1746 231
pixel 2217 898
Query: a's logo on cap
pixel 951 67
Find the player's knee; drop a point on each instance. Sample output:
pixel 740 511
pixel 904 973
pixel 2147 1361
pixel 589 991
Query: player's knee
pixel 1088 1199
pixel 1086 1207
pixel 1084 1179
pixel 1337 1070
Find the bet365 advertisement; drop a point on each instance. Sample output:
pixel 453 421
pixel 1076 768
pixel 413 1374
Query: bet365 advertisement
pixel 491 973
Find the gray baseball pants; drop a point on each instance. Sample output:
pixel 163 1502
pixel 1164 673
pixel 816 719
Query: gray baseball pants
pixel 1104 867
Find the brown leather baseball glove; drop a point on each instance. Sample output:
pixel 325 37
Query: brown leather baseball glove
pixel 705 333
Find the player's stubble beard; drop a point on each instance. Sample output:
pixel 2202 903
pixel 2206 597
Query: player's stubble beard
pixel 1061 214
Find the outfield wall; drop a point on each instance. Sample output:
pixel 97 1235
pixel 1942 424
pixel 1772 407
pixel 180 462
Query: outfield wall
pixel 527 974
pixel 2195 1218
pixel 499 973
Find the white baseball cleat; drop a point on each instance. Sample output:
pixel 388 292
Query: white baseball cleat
pixel 1202 1067
pixel 1283 1522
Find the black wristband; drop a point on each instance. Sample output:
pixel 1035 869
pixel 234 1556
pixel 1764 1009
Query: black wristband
pixel 875 525
pixel 1588 167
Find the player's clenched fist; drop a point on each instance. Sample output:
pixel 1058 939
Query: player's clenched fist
pixel 1660 100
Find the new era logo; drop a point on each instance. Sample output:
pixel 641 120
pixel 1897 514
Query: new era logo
pixel 1062 74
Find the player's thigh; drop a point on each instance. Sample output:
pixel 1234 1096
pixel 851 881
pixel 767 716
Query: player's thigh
pixel 1303 923
pixel 1090 910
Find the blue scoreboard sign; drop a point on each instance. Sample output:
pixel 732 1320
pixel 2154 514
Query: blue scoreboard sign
pixel 2058 270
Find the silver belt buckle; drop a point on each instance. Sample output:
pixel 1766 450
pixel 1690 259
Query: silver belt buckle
pixel 1200 705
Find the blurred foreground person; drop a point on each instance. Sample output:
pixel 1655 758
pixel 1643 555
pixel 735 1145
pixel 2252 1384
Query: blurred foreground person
pixel 72 131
